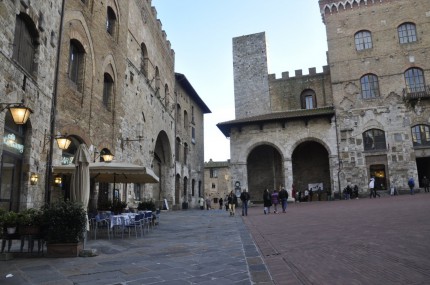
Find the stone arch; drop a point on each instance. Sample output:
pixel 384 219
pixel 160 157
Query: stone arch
pixel 311 164
pixel 313 139
pixel 78 16
pixel 264 167
pixel 161 162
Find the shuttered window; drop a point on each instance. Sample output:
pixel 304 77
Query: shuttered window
pixel 77 64
pixel 24 44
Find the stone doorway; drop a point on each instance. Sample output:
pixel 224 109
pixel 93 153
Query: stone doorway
pixel 311 167
pixel 264 168
pixel 423 167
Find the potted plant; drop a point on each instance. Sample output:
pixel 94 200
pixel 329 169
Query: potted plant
pixel 118 206
pixel 64 226
pixel 30 221
pixel 9 221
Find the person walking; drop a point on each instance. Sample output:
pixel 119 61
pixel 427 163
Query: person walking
pixel 232 203
pixel 425 182
pixel 220 203
pixel 244 197
pixel 275 201
pixel 283 198
pixel 267 201
pixel 411 184
pixel 202 203
pixel 294 193
pixel 372 188
pixel 208 203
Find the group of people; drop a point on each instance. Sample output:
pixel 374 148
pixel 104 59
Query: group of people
pixel 274 199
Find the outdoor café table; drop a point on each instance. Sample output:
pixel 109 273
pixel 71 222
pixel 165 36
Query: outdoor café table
pixel 119 222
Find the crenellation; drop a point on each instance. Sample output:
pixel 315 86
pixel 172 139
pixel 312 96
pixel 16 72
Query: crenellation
pixel 298 72
pixel 285 75
pixel 272 76
pixel 312 71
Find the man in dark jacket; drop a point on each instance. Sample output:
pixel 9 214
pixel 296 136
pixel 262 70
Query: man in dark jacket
pixel 283 197
pixel 244 197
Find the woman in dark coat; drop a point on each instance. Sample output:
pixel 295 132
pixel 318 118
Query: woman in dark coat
pixel 267 200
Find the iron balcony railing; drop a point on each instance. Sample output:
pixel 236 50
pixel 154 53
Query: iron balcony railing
pixel 417 93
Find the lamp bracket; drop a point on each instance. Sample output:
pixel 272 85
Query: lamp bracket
pixel 4 106
pixel 127 140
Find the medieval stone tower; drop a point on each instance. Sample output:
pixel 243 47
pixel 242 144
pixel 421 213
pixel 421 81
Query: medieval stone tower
pixel 251 86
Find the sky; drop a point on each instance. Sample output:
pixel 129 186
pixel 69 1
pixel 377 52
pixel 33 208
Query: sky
pixel 201 34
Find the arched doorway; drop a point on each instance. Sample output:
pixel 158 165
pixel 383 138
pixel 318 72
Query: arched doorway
pixel 11 164
pixel 161 166
pixel 264 169
pixel 311 169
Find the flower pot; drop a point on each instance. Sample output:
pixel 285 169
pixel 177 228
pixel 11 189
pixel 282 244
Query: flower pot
pixel 63 249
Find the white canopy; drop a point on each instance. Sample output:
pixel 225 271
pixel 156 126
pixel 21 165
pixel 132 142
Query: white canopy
pixel 113 172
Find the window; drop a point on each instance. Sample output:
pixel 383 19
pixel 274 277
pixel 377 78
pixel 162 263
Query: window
pixel 185 153
pixel 309 102
pixel 177 148
pixel 213 173
pixel 407 33
pixel 76 64
pixel 107 91
pixel 193 135
pixel 192 114
pixel 157 81
pixel 374 139
pixel 363 40
pixel 185 120
pixel 369 86
pixel 166 95
pixel 414 78
pixel 421 135
pixel 144 60
pixel 25 43
pixel 308 99
pixel 110 21
pixel 213 186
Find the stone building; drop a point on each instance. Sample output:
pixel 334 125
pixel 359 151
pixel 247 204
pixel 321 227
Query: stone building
pixel 366 114
pixel 218 182
pixel 118 93
pixel 28 61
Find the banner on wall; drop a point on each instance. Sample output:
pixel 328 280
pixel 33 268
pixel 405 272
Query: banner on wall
pixel 315 186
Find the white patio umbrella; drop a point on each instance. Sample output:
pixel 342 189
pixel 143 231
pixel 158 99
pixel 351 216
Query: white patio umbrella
pixel 80 183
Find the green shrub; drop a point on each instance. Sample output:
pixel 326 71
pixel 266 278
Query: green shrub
pixel 146 205
pixel 64 222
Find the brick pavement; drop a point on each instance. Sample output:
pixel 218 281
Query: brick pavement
pixel 365 241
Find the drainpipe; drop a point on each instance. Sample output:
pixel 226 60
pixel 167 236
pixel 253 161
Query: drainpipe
pixel 53 112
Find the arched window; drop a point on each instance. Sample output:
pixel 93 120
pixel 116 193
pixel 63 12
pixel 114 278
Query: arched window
pixel 374 139
pixel 77 64
pixel 193 186
pixel 177 148
pixel 157 82
pixel 144 60
pixel 421 135
pixel 369 86
pixel 308 99
pixel 107 91
pixel 166 95
pixel 185 120
pixel 407 33
pixel 414 78
pixel 110 21
pixel 25 43
pixel 363 40
pixel 185 153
